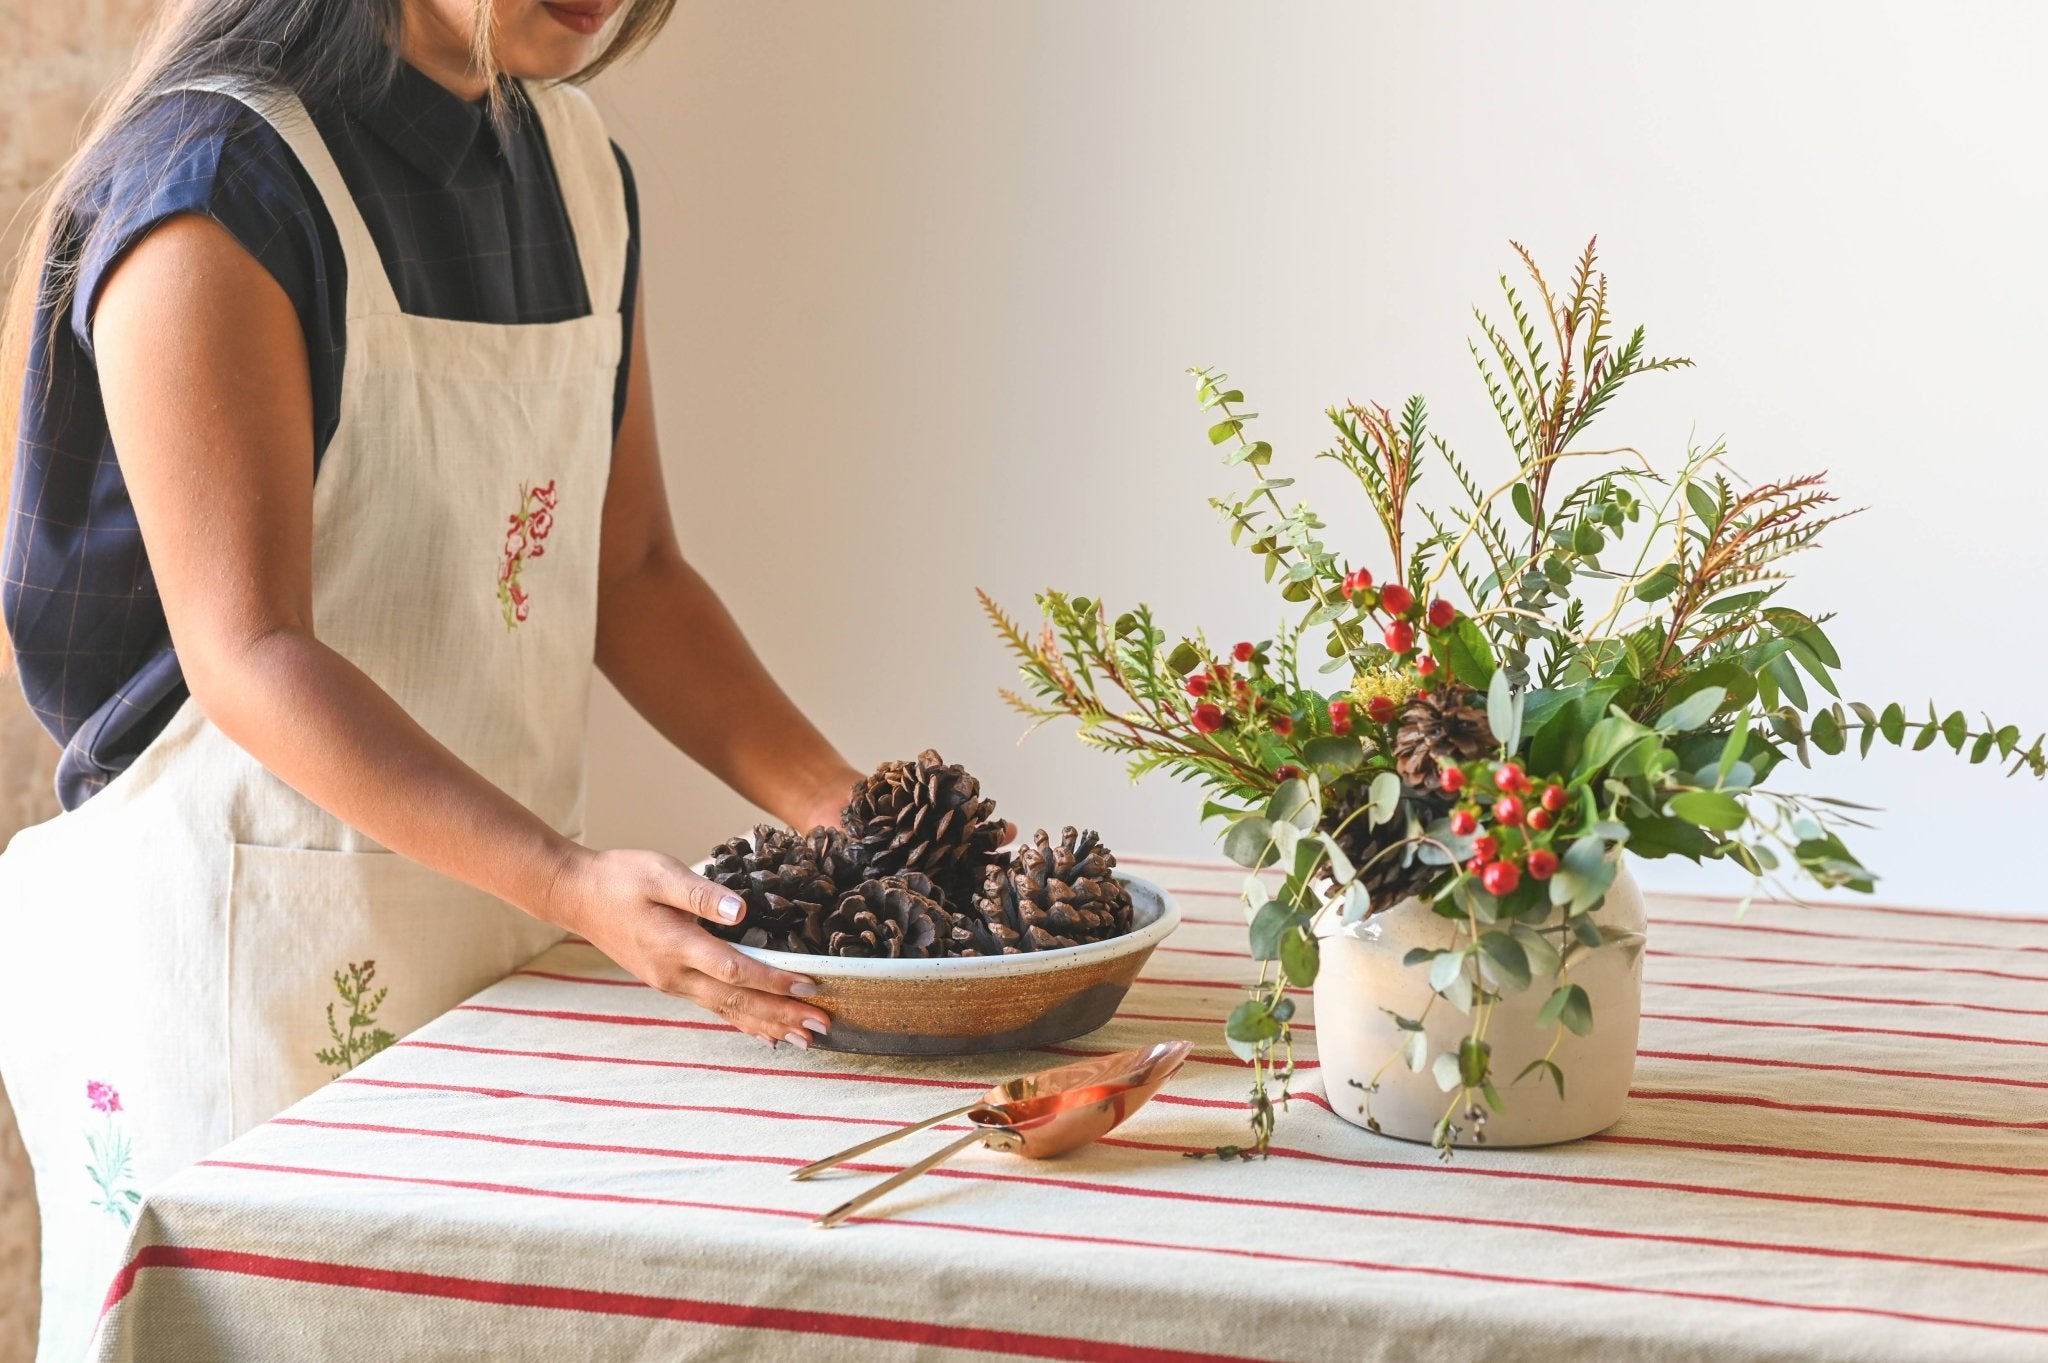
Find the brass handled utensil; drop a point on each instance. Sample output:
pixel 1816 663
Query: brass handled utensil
pixel 1037 1116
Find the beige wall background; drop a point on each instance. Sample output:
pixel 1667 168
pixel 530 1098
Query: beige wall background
pixel 923 277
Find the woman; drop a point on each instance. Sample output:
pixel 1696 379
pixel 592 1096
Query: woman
pixel 337 470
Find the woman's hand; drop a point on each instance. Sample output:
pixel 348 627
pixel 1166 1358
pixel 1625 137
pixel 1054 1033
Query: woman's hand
pixel 642 910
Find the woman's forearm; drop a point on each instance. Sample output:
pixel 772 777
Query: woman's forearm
pixel 331 733
pixel 676 654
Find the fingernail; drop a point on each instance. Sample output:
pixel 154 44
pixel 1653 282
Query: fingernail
pixel 729 909
pixel 798 1040
pixel 821 1028
pixel 804 989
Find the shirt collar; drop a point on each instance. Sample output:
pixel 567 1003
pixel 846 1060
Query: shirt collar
pixel 429 125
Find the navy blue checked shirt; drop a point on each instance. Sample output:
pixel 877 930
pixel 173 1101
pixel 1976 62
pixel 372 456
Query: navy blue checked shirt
pixel 470 228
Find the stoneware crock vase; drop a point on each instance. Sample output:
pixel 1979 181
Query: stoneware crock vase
pixel 1362 981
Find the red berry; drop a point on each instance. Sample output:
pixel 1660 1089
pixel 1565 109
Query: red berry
pixel 1500 878
pixel 1198 685
pixel 1283 725
pixel 1426 665
pixel 1379 709
pixel 1400 636
pixel 1441 614
pixel 1486 847
pixel 1452 780
pixel 1507 810
pixel 1340 716
pixel 1476 865
pixel 1287 771
pixel 1356 581
pixel 1554 798
pixel 1243 652
pixel 1208 718
pixel 1542 864
pixel 1395 599
pixel 1540 818
pixel 1463 821
pixel 1509 778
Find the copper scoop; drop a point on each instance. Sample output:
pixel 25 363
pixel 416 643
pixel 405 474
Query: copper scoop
pixel 1036 1116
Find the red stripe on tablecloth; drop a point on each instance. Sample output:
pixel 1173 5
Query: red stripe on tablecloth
pixel 579 979
pixel 1199 984
pixel 1636 1184
pixel 589 1100
pixel 1844 1027
pixel 622 1019
pixel 1206 1022
pixel 1769 1062
pixel 1777 931
pixel 1838 1156
pixel 1968 915
pixel 1847 998
pixel 1701 1189
pixel 1229 1060
pixel 1834 1109
pixel 1237 955
pixel 786 1320
pixel 499 1293
pixel 1846 965
pixel 849 1075
pixel 1127 1190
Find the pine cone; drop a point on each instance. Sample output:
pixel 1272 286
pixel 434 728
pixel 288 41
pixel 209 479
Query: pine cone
pixel 1049 895
pixel 1391 878
pixel 1440 728
pixel 839 860
pixel 782 879
pixel 925 816
pixel 891 916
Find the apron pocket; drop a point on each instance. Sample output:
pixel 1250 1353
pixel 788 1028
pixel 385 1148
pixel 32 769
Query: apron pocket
pixel 333 956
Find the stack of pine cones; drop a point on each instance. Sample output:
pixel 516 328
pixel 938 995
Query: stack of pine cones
pixel 918 871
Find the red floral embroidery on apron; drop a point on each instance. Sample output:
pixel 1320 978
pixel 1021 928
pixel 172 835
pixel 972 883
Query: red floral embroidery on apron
pixel 525 538
pixel 112 1166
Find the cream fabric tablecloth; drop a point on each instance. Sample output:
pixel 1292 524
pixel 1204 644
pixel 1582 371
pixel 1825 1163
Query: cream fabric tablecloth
pixel 1837 1149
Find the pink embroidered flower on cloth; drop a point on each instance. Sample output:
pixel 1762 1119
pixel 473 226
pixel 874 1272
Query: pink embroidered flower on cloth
pixel 103 1097
pixel 525 536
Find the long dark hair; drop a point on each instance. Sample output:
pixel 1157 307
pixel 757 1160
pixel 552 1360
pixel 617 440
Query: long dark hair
pixel 324 51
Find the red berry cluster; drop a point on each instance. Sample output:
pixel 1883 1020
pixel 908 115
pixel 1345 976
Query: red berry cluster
pixel 1219 699
pixel 1510 821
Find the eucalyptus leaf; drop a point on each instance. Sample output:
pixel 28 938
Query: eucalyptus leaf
pixel 1445 1070
pixel 1334 753
pixel 1250 842
pixel 1504 712
pixel 1269 924
pixel 1709 809
pixel 1690 713
pixel 1299 957
pixel 1385 794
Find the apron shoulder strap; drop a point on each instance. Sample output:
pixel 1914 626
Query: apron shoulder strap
pixel 593 191
pixel 369 286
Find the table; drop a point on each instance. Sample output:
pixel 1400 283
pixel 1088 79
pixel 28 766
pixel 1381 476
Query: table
pixel 1835 1150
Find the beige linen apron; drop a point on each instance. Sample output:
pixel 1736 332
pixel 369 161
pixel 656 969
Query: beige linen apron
pixel 199 946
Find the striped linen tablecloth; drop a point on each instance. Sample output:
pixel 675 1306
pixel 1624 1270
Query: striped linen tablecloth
pixel 1837 1149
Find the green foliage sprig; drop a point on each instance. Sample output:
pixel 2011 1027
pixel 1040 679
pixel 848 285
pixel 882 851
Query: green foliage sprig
pixel 1641 679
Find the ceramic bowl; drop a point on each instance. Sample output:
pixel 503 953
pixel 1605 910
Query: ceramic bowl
pixel 966 1005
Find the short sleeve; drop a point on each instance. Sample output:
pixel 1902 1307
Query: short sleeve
pixel 208 153
pixel 632 290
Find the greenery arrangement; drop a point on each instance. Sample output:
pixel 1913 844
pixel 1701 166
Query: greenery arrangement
pixel 1553 670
